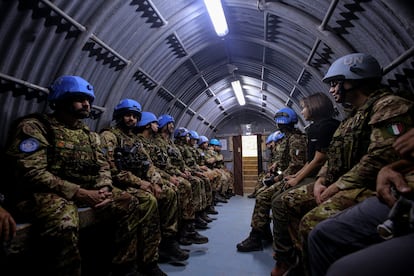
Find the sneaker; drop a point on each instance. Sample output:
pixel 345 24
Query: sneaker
pixel 252 243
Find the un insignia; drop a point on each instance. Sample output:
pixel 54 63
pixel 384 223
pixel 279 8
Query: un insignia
pixel 29 145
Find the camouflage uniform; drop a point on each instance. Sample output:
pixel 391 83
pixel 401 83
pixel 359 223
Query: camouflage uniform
pixel 168 203
pixel 53 162
pixel 186 205
pixel 115 142
pixel 227 178
pixel 191 164
pixel 361 145
pixel 176 167
pixel 290 156
pixel 209 157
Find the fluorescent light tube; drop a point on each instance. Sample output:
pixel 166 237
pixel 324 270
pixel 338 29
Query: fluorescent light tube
pixel 238 91
pixel 215 10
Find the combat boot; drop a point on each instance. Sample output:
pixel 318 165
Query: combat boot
pixel 196 237
pixel 252 243
pixel 170 251
pixel 128 269
pixel 205 217
pixel 199 223
pixel 267 233
pixel 184 233
pixel 151 269
pixel 211 210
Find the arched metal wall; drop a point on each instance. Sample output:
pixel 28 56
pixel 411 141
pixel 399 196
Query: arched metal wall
pixel 166 55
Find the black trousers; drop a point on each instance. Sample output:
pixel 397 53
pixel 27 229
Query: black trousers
pixel 349 244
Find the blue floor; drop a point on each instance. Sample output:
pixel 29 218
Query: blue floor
pixel 219 257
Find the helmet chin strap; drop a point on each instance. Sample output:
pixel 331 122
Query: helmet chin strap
pixel 342 93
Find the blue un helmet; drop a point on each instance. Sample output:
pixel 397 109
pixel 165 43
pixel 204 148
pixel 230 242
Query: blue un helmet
pixel 194 135
pixel 277 135
pixel 202 139
pixel 181 132
pixel 164 120
pixel 215 142
pixel 127 105
pixel 65 87
pixel 147 118
pixel 286 116
pixel 355 66
pixel 269 138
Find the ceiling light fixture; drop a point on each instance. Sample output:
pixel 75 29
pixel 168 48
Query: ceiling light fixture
pixel 215 10
pixel 238 91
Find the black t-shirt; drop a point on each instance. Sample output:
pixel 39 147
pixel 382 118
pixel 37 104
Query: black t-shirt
pixel 319 135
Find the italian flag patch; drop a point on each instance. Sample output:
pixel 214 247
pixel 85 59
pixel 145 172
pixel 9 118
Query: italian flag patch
pixel 396 129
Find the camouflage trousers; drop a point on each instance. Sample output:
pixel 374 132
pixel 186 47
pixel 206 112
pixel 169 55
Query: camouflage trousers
pixel 259 183
pixel 207 189
pixel 149 233
pixel 226 181
pixel 185 200
pixel 199 193
pixel 262 206
pixel 56 224
pixel 214 177
pixel 297 214
pixel 168 210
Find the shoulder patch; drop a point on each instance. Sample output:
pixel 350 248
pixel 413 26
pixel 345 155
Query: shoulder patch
pixel 29 145
pixel 396 128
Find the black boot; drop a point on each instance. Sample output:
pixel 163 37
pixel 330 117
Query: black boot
pixel 199 223
pixel 252 195
pixel 151 269
pixel 252 243
pixel 205 217
pixel 196 237
pixel 267 233
pixel 170 251
pixel 184 233
pixel 128 269
pixel 211 210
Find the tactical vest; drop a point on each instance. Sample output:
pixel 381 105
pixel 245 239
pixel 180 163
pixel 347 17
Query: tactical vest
pixel 130 155
pixel 71 155
pixel 350 142
pixel 175 156
pixel 158 157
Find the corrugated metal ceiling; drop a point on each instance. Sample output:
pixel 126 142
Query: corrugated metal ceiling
pixel 166 55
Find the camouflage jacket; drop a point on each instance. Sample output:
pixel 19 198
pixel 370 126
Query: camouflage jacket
pixel 210 157
pixel 362 144
pixel 159 158
pixel 52 158
pixel 187 154
pixel 290 152
pixel 128 158
pixel 176 164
